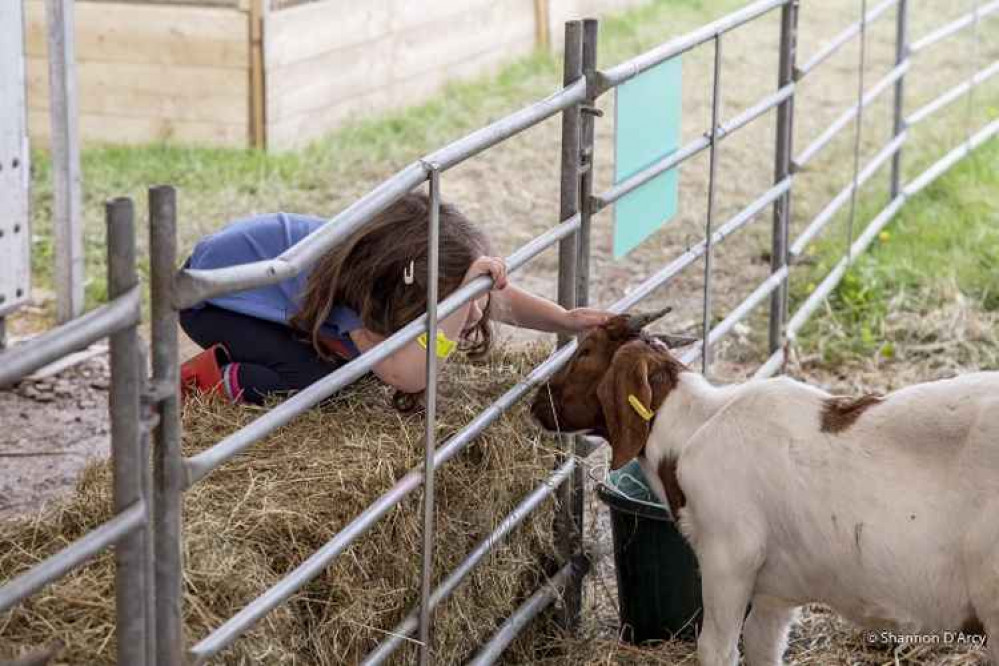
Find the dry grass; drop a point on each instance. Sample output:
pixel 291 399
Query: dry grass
pixel 258 517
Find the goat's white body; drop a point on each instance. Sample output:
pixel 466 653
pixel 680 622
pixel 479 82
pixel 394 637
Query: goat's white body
pixel 894 521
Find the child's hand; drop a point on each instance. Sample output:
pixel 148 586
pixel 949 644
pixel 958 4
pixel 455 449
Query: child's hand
pixel 495 267
pixel 580 319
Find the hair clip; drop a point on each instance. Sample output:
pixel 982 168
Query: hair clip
pixel 408 274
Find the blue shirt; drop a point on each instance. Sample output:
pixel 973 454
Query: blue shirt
pixel 265 237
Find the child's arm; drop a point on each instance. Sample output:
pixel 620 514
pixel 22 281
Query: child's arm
pixel 521 308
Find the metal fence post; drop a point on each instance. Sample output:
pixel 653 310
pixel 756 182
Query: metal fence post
pixel 586 143
pixel 782 167
pixel 430 438
pixel 568 519
pixel 126 450
pixel 709 223
pixel 167 461
pixel 901 53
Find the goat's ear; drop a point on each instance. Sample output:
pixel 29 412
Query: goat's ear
pixel 624 384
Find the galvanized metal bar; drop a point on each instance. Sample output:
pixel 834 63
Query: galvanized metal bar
pixel 572 71
pixel 783 149
pixel 201 464
pixel 826 214
pixel 194 286
pixel 899 123
pixel 65 139
pixel 870 233
pixel 951 158
pixel 671 161
pixel 726 325
pixel 693 148
pixel 841 39
pixel 954 27
pixel 573 251
pixel 587 146
pixel 951 95
pixel 805 156
pixel 631 68
pixel 430 416
pixel 709 221
pixel 973 66
pixel 757 110
pixel 861 69
pixel 21 360
pixel 128 465
pixel 58 565
pixel 316 563
pixel 676 266
pixel 397 636
pixel 168 470
pixel 539 601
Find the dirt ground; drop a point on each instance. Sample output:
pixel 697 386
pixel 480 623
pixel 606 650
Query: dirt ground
pixel 51 428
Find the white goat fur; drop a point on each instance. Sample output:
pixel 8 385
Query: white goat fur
pixel 893 522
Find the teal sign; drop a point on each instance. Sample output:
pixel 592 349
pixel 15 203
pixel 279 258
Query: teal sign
pixel 647 129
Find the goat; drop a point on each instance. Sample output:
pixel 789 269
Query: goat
pixel 884 508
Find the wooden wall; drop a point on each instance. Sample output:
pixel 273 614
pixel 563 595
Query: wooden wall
pixel 330 60
pixel 149 73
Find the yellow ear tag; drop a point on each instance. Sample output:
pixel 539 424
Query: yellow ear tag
pixel 639 408
pixel 445 346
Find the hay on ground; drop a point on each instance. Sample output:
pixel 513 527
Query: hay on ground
pixel 259 516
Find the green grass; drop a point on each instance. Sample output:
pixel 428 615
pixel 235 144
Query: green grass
pixel 945 239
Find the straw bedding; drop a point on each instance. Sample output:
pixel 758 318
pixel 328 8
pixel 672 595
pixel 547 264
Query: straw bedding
pixel 256 518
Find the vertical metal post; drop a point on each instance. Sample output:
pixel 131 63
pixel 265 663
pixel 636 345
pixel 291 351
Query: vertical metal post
pixel 898 124
pixel 858 135
pixel 433 277
pixel 586 143
pixel 126 451
pixel 708 227
pixel 67 218
pixel 970 122
pixel 782 168
pixel 572 70
pixel 167 461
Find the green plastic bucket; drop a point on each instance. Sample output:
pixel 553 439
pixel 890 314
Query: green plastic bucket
pixel 658 584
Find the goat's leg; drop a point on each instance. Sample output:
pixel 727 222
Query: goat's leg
pixel 981 561
pixel 765 633
pixel 726 586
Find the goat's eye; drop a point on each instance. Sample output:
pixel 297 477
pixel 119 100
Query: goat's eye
pixel 583 353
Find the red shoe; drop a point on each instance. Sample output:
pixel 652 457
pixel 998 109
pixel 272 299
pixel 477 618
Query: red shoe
pixel 203 373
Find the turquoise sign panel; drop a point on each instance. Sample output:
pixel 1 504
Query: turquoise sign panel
pixel 647 129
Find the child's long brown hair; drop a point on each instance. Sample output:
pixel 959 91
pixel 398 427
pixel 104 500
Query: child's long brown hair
pixel 365 273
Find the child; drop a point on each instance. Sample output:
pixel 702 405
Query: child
pixel 280 338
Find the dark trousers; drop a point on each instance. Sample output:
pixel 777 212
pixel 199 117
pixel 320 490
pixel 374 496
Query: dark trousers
pixel 273 359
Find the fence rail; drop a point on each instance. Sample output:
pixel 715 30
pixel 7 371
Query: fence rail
pixel 161 638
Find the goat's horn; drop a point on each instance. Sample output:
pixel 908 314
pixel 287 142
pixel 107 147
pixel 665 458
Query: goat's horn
pixel 637 322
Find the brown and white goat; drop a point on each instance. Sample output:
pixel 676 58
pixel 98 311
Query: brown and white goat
pixel 885 508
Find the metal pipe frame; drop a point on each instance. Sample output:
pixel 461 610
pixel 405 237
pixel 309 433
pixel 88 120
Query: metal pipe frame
pixel 168 470
pixel 952 95
pixel 783 150
pixel 840 40
pixel 898 122
pixel 806 156
pixel 21 360
pixel 72 556
pixel 709 221
pixel 529 610
pixel 677 266
pixel 861 70
pixel 196 467
pixel 632 68
pixel 195 286
pixel 132 552
pixel 401 632
pixel 693 148
pixel 430 416
pixel 826 214
pixel 937 169
pixel 954 27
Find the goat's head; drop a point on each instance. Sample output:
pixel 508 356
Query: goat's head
pixel 612 362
